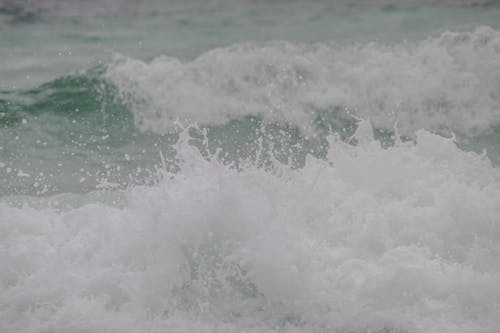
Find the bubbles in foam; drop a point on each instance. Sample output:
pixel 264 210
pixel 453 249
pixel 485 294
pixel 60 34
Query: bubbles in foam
pixel 369 240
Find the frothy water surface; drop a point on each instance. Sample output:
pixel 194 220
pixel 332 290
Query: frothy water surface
pixel 284 167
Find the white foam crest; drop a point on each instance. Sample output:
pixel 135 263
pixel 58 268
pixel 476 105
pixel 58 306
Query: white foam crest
pixel 445 83
pixel 369 240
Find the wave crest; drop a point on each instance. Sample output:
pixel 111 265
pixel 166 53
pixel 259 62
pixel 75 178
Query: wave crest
pixel 444 84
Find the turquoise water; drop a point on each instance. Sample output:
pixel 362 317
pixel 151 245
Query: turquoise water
pixel 249 166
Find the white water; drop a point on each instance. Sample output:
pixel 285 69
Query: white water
pixel 406 238
pixel 446 83
pixel 403 239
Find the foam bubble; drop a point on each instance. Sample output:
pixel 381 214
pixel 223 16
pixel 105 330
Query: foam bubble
pixel 368 240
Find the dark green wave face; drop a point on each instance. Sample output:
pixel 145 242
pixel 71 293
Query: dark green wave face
pixel 71 134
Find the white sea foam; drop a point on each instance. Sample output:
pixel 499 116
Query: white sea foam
pixel 406 238
pixel 445 83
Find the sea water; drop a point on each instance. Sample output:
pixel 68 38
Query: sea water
pixel 249 166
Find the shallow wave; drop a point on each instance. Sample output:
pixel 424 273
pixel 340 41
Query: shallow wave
pixel 404 239
pixel 448 83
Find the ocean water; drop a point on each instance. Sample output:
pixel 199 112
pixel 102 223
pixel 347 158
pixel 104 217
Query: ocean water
pixel 249 166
